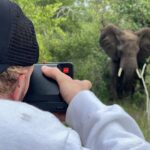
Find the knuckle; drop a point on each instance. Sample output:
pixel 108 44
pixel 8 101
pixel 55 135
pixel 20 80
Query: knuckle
pixel 88 83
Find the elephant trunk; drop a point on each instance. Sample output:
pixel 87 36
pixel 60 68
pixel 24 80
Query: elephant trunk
pixel 128 69
pixel 121 70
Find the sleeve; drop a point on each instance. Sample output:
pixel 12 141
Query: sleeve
pixel 103 127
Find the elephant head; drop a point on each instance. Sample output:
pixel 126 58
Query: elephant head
pixel 126 48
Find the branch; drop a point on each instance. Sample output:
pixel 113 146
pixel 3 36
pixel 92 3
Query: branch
pixel 147 93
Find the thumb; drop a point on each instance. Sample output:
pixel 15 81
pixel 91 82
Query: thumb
pixel 54 73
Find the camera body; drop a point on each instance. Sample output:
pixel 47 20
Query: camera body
pixel 44 92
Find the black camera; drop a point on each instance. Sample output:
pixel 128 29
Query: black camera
pixel 44 92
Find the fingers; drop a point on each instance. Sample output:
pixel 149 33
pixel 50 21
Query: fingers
pixel 57 75
pixel 86 84
pixel 54 73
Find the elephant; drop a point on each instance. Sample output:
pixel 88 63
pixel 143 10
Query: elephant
pixel 128 52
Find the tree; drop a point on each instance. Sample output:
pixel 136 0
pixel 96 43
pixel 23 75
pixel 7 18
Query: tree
pixel 45 23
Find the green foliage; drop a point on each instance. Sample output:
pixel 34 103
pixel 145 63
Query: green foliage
pixel 130 14
pixel 45 22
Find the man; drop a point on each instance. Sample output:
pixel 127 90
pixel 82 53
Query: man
pixel 24 127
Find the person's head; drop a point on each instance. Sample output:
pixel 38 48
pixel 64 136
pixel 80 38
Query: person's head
pixel 18 51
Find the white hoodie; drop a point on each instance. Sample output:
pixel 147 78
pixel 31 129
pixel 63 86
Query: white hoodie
pixel 95 126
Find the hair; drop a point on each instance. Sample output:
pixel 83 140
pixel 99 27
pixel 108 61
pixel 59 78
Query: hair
pixel 9 79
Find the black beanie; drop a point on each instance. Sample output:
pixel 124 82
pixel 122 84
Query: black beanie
pixel 18 43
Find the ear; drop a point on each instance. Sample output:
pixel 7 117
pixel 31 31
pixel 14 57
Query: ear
pixel 18 93
pixel 109 40
pixel 144 44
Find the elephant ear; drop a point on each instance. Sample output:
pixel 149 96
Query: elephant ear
pixel 109 41
pixel 144 44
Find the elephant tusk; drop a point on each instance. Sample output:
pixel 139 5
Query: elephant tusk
pixel 138 73
pixel 120 72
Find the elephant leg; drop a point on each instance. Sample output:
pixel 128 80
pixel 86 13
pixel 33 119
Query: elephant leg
pixel 133 87
pixel 113 81
pixel 120 89
pixel 112 90
pixel 141 87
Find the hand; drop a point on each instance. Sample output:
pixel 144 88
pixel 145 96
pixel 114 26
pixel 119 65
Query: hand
pixel 68 87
